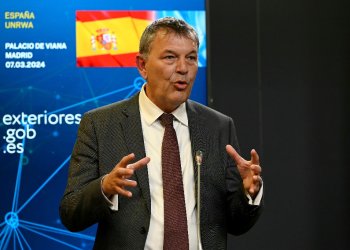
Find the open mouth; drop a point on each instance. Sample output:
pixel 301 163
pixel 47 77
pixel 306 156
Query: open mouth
pixel 180 85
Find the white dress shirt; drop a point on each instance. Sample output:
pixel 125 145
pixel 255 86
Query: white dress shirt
pixel 153 133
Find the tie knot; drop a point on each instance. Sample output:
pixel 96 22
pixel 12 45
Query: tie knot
pixel 166 119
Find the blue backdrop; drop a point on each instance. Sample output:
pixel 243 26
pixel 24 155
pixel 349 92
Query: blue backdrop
pixel 43 96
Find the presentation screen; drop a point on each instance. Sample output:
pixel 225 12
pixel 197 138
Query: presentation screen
pixel 58 60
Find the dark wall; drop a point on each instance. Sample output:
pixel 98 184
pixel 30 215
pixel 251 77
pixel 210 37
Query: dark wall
pixel 281 69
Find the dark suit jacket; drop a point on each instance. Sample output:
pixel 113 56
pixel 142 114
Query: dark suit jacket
pixel 111 132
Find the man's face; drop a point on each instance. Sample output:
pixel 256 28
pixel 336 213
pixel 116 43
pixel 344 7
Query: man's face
pixel 170 69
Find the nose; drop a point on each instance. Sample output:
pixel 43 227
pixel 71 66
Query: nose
pixel 181 66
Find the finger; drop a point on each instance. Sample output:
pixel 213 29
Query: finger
pixel 139 164
pixel 126 160
pixel 254 157
pixel 256 185
pixel 124 172
pixel 234 155
pixel 256 169
pixel 127 183
pixel 123 192
pixel 254 190
pixel 257 180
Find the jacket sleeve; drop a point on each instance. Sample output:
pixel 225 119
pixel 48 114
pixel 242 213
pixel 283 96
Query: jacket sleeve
pixel 242 216
pixel 83 203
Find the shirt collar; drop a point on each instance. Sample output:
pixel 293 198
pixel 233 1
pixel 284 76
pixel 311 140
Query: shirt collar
pixel 151 112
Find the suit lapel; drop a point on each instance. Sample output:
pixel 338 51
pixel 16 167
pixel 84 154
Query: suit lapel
pixel 132 129
pixel 199 142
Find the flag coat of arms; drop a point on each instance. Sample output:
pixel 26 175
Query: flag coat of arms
pixel 109 38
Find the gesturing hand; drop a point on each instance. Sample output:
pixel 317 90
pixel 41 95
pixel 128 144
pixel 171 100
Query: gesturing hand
pixel 116 181
pixel 249 170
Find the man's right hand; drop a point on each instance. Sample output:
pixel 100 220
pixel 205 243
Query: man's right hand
pixel 117 180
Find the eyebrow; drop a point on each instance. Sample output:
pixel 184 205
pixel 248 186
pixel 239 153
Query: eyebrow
pixel 174 52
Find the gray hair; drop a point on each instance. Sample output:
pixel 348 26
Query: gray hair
pixel 169 24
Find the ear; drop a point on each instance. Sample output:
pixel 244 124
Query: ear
pixel 141 65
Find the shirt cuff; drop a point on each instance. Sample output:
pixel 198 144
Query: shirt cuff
pixel 113 202
pixel 258 197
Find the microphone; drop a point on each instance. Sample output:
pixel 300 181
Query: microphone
pixel 199 157
pixel 199 160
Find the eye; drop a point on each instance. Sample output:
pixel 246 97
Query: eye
pixel 192 58
pixel 169 57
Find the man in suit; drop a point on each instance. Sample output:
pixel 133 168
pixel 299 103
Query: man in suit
pixel 115 175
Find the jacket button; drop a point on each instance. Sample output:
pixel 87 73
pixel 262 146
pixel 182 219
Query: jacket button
pixel 143 230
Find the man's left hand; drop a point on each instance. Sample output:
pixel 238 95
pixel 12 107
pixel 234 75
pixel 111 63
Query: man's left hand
pixel 249 170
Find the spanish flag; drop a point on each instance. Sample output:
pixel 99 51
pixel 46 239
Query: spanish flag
pixel 109 38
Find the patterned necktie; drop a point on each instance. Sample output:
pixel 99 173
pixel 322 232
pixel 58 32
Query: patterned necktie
pixel 175 220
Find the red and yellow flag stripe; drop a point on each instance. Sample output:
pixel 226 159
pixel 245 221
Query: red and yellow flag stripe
pixel 109 38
